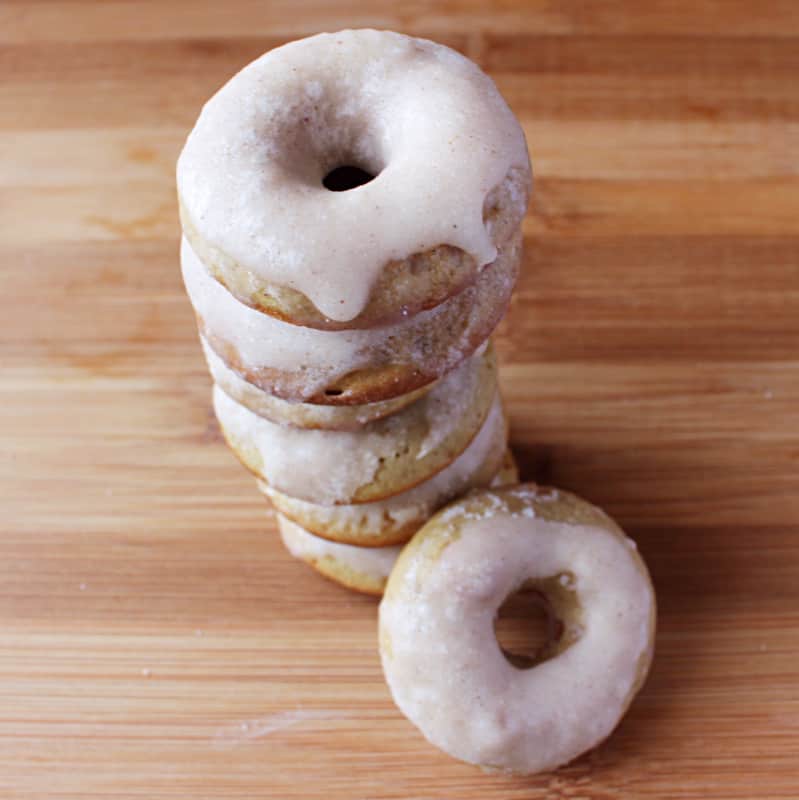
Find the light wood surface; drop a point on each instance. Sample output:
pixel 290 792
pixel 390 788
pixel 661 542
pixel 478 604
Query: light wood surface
pixel 156 641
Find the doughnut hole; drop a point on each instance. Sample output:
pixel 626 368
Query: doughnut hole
pixel 327 140
pixel 342 179
pixel 538 620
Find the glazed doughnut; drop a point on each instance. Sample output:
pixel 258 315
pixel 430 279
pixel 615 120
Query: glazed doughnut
pixel 376 461
pixel 302 415
pixel 362 569
pixel 395 519
pixel 440 655
pixel 349 367
pixel 449 162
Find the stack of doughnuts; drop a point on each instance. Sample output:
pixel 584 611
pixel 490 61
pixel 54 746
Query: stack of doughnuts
pixel 351 207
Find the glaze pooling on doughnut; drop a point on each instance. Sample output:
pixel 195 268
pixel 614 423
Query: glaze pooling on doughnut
pixel 354 366
pixel 397 518
pixel 404 288
pixel 440 655
pixel 383 458
pixel 363 569
pixel 425 120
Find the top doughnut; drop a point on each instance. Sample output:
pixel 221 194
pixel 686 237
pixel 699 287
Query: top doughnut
pixel 451 178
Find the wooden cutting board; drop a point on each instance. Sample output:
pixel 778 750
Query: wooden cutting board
pixel 155 639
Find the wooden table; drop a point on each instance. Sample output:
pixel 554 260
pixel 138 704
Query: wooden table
pixel 155 639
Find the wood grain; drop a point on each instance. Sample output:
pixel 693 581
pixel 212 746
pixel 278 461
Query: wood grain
pixel 156 641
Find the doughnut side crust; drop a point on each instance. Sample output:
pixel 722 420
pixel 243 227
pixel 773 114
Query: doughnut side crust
pixel 302 415
pixel 353 367
pixel 378 460
pixel 395 519
pixel 441 658
pixel 403 288
pixel 362 569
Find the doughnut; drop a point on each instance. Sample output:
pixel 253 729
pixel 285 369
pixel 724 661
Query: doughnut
pixel 443 179
pixel 362 569
pixel 349 367
pixel 302 415
pixel 440 655
pixel 395 519
pixel 376 461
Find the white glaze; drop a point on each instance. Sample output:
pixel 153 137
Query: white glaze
pixel 425 117
pixel 446 670
pixel 329 467
pixel 380 518
pixel 262 340
pixel 374 563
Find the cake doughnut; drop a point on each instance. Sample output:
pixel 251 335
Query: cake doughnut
pixel 440 655
pixel 353 367
pixel 376 461
pixel 302 415
pixel 362 569
pixel 444 159
pixel 395 519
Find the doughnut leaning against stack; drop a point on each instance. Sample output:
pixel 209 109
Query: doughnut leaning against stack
pixel 440 654
pixel 351 207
